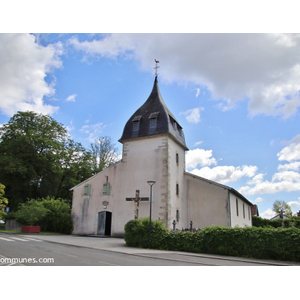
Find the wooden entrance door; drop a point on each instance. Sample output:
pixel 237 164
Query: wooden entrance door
pixel 104 223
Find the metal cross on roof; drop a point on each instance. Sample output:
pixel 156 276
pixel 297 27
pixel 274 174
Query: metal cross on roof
pixel 156 66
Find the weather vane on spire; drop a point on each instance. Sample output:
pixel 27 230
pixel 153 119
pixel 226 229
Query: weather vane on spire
pixel 156 67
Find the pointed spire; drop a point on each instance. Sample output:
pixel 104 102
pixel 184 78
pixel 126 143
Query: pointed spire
pixel 153 118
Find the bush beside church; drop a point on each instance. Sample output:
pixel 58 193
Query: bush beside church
pixel 250 242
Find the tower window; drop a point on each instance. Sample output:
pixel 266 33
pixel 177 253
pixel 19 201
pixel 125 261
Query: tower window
pixel 153 122
pixel 237 206
pixel 136 125
pixel 177 189
pixel 177 158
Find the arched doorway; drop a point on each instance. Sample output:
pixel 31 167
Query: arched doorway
pixel 104 223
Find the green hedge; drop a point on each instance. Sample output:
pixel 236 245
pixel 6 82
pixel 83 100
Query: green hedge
pixel 249 242
pixel 291 222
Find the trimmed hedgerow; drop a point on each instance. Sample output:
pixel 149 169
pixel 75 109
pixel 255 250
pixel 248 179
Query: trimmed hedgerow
pixel 250 242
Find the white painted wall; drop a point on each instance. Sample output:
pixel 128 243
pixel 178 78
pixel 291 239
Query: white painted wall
pixel 243 217
pixel 201 201
pixel 143 160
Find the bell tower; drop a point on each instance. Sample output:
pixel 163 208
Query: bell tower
pixel 154 148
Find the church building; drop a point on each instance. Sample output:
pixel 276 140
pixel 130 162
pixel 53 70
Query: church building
pixel 153 160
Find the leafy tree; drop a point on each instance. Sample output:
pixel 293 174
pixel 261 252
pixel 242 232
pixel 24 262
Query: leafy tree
pixel 31 213
pixel 279 205
pixel 38 158
pixel 3 201
pixel 104 154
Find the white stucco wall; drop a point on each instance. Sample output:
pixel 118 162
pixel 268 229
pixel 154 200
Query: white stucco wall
pixel 207 202
pixel 142 161
pixel 201 201
pixel 242 217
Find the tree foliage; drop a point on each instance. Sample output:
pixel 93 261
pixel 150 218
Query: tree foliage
pixel 39 159
pixel 3 201
pixel 104 153
pixel 31 213
pixel 279 205
pixel 49 213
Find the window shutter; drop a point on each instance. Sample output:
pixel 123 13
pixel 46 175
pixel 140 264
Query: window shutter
pixel 106 188
pixel 87 190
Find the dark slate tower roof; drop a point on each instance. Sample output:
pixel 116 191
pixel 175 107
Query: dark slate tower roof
pixel 153 118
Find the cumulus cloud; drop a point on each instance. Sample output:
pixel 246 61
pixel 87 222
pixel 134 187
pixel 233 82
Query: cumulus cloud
pixel 268 214
pixel 24 66
pixel 263 68
pixel 224 174
pixel 199 157
pixel 293 204
pixel 199 162
pixel 287 179
pixel 193 115
pixel 290 152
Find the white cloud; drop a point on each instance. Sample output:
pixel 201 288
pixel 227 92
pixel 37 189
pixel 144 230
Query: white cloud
pixel 294 204
pixel 23 67
pixel 71 98
pixel 258 200
pixel 281 182
pixel 261 67
pixel 224 174
pixel 290 153
pixel 286 180
pixel 292 166
pixel 268 214
pixel 199 157
pixel 193 115
pixel 92 130
pixel 197 92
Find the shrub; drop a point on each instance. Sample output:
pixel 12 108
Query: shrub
pixel 251 242
pixel 31 213
pixel 51 214
pixel 137 233
pixel 59 219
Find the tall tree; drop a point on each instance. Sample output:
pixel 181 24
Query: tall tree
pixel 104 153
pixel 36 156
pixel 3 201
pixel 279 205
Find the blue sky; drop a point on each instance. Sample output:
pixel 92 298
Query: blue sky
pixel 235 95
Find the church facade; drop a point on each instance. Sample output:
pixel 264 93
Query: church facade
pixel 154 150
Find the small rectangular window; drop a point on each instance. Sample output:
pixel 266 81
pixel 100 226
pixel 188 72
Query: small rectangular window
pixel 177 158
pixel 153 123
pixel 249 212
pixel 244 210
pixel 177 189
pixel 136 125
pixel 106 188
pixel 177 215
pixel 87 190
pixel 237 207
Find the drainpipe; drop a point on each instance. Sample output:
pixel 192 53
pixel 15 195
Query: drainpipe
pixel 229 208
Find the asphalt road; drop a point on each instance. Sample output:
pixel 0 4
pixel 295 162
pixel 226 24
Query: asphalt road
pixel 30 250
